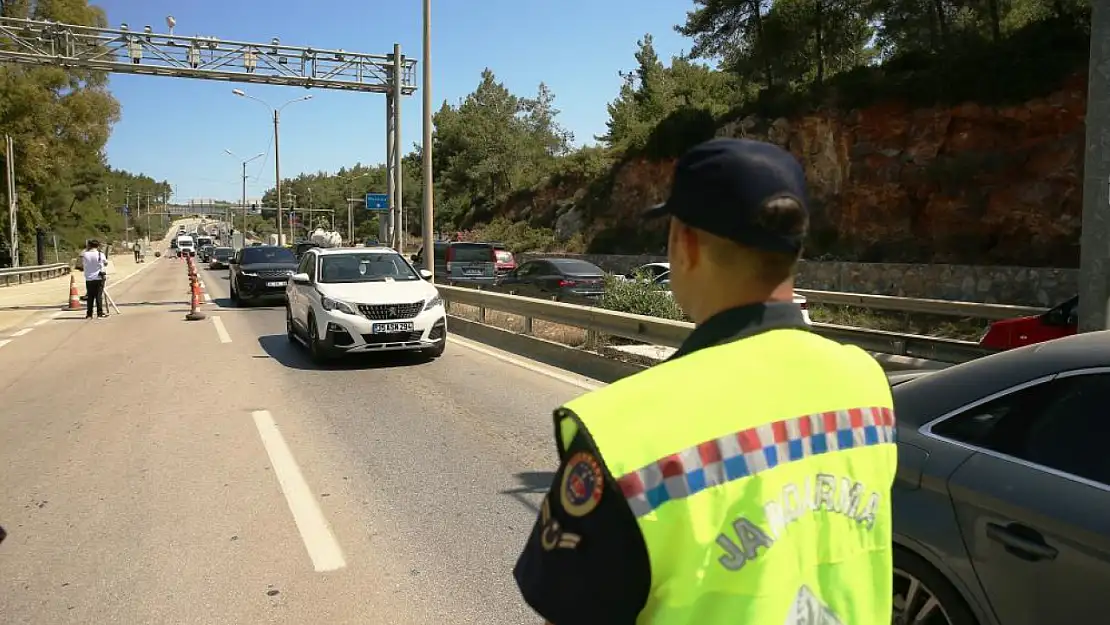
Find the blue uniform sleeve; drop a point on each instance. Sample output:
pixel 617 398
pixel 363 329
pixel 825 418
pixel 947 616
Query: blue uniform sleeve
pixel 585 562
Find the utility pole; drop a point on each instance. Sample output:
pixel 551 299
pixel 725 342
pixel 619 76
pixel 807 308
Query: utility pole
pixel 398 147
pixel 126 211
pixel 13 199
pixel 1094 249
pixel 277 178
pixel 426 150
pixel 149 196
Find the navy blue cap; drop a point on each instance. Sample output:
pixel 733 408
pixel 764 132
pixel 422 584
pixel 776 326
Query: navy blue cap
pixel 722 185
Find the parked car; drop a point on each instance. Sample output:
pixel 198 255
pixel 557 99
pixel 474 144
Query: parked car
pixel 261 272
pixel 505 260
pixel 560 278
pixel 1001 479
pixel 650 271
pixel 220 257
pixel 365 300
pixel 459 262
pixel 1061 321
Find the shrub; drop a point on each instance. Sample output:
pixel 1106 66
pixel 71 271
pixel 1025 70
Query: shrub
pixel 639 297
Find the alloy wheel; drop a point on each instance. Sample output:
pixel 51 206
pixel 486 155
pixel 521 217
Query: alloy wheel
pixel 915 603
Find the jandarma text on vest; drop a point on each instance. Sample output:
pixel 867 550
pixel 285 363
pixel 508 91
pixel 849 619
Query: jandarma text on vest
pixel 821 493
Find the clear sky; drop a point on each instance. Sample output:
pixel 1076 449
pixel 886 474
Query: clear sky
pixel 177 129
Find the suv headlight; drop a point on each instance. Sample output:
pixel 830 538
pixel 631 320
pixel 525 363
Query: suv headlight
pixel 248 273
pixel 334 304
pixel 432 303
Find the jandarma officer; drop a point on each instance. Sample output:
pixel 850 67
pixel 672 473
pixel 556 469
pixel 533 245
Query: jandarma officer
pixel 745 480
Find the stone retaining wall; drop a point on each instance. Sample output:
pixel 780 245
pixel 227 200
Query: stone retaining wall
pixel 1024 286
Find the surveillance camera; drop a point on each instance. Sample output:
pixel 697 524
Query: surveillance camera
pixel 170 21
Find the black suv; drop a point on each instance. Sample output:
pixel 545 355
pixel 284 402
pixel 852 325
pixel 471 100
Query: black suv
pixel 261 272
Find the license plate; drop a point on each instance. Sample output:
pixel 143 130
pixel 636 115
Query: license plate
pixel 472 272
pixel 389 328
pixel 275 284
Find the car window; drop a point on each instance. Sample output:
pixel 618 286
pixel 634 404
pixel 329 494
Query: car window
pixel 472 253
pixel 574 266
pixel 306 265
pixel 527 269
pixel 1059 424
pixel 268 255
pixel 365 267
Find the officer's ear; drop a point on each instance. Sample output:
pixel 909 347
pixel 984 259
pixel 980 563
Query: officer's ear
pixel 683 246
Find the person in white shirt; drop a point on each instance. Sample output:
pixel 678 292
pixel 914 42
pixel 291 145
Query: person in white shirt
pixel 93 262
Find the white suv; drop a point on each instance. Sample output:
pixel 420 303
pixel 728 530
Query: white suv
pixel 362 300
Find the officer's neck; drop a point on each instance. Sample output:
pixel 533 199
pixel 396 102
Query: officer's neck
pixel 716 301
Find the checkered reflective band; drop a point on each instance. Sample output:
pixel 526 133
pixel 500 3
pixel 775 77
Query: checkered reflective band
pixel 748 452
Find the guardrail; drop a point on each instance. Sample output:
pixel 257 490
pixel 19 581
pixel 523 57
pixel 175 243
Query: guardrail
pixel 656 331
pixel 21 275
pixel 928 306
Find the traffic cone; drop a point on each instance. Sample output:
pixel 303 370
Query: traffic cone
pixel 74 297
pixel 194 305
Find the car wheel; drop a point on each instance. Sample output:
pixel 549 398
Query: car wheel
pixel 315 352
pixel 923 596
pixel 290 332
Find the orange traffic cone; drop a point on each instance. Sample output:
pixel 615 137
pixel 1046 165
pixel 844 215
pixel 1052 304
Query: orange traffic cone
pixel 194 305
pixel 74 297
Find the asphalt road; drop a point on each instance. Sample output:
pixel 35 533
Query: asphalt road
pixel 158 470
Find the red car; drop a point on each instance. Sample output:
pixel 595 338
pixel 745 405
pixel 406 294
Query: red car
pixel 1061 321
pixel 505 261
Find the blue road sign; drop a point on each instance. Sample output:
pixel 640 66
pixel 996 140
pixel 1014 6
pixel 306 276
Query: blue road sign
pixel 377 202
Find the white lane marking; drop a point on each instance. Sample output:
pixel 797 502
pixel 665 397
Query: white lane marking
pixel 22 332
pixel 581 382
pixel 42 321
pixel 5 342
pixel 130 275
pixel 207 298
pixel 318 537
pixel 221 331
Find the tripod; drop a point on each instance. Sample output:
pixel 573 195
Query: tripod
pixel 106 296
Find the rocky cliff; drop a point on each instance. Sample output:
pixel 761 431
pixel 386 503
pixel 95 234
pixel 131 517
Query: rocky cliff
pixel 967 184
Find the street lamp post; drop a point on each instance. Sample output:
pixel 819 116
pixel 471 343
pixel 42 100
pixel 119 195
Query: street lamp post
pixel 277 149
pixel 426 229
pixel 244 200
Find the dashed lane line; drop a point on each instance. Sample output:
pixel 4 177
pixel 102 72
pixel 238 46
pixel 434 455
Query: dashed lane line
pixel 317 535
pixel 221 331
pixel 22 332
pixel 5 342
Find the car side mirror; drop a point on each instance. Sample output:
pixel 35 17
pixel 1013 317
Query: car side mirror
pixel 301 278
pixel 414 258
pixel 425 274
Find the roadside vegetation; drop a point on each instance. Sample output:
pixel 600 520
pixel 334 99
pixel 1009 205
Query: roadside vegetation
pixel 501 157
pixel 59 121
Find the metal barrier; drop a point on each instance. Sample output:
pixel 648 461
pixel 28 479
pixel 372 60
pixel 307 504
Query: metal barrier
pixel 952 308
pixel 21 275
pixel 656 331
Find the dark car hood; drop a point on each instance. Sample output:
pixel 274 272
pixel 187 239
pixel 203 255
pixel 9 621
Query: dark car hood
pixel 268 267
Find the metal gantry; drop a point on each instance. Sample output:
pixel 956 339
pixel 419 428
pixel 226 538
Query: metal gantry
pixel 126 51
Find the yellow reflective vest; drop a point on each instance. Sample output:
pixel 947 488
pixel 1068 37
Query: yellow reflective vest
pixel 760 473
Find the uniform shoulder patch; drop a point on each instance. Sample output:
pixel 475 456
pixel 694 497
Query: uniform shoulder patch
pixel 582 485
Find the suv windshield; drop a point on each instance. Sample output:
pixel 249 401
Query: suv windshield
pixel 255 255
pixel 365 267
pixel 223 252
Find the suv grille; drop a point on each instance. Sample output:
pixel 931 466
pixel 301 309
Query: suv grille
pixel 275 273
pixel 384 312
